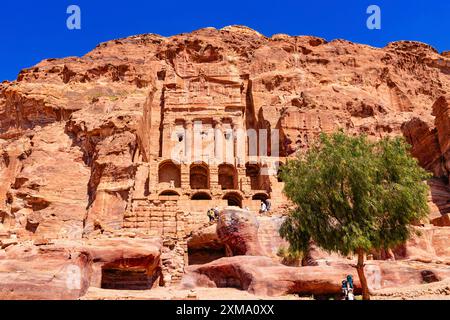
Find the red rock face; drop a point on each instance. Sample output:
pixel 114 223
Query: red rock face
pixel 83 139
pixel 425 144
pixel 430 145
pixel 93 107
pixel 261 276
pixel 441 110
pixel 238 231
pixel 65 269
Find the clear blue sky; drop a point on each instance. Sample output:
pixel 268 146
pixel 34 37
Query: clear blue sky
pixel 33 30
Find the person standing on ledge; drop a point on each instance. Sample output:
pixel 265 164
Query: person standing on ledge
pixel 263 207
pixel 210 214
pixel 216 213
pixel 268 204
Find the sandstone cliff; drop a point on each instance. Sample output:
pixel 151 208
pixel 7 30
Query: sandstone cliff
pixel 70 127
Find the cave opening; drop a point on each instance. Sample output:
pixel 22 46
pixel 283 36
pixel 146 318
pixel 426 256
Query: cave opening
pixel 233 199
pixel 204 250
pixel 205 254
pixel 169 193
pixel 253 172
pixel 227 176
pixel 199 176
pixel 201 196
pixel 170 173
pixel 260 196
pixel 131 274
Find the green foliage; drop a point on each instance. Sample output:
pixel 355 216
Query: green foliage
pixel 289 256
pixel 352 194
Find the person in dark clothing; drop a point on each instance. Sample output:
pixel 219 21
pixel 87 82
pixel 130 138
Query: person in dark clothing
pixel 350 281
pixel 263 207
pixel 210 214
pixel 268 204
pixel 347 288
pixel 216 213
pixel 344 287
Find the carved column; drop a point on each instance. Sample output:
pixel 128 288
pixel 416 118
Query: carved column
pixel 229 145
pixel 166 141
pixel 214 177
pixel 218 142
pixel 185 176
pixel 153 175
pixel 189 141
pixel 240 143
pixel 197 146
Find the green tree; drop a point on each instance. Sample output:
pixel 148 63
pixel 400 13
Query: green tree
pixel 352 195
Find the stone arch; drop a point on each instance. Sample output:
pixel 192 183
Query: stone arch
pixel 253 171
pixel 228 176
pixel 260 196
pixel 169 193
pixel 169 172
pixel 233 199
pixel 201 196
pixel 199 176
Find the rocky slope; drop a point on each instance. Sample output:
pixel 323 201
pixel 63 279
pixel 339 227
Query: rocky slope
pixel 71 129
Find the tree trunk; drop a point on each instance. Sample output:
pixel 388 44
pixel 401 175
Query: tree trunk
pixel 361 275
pixel 307 260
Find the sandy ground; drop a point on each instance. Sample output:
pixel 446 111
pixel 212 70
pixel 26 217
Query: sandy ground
pixel 162 293
pixel 433 291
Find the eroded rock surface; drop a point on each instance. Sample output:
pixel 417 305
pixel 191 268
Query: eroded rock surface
pixel 262 276
pixel 65 269
pixel 237 229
